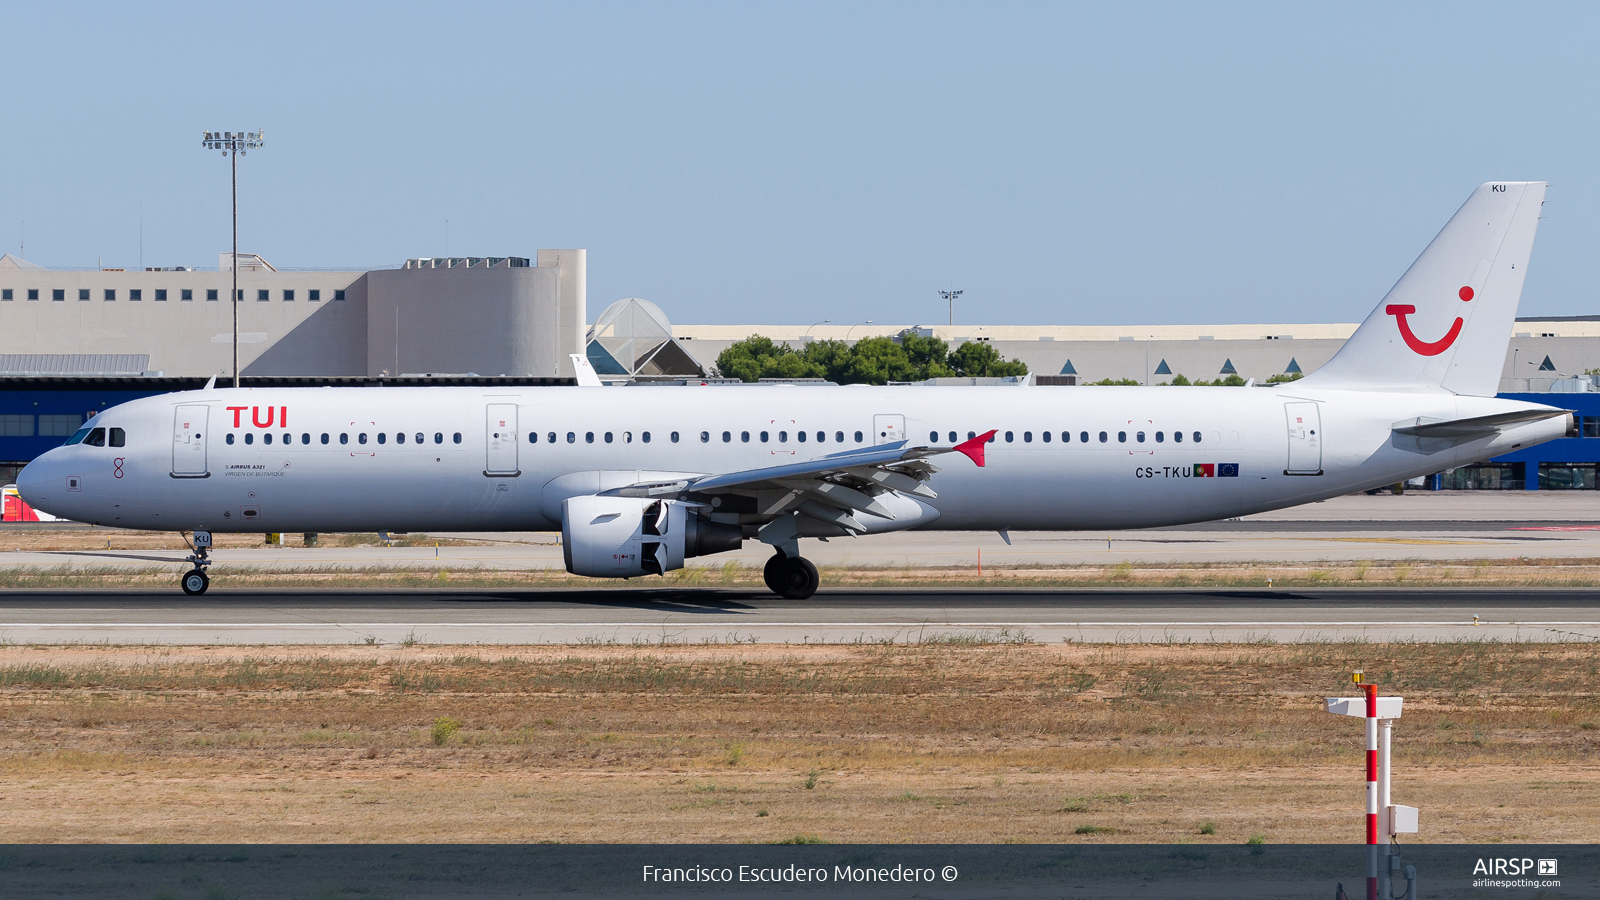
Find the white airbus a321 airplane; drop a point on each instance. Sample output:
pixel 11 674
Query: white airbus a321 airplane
pixel 638 480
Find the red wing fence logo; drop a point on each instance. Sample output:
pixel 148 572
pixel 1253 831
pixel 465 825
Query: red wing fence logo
pixel 1418 345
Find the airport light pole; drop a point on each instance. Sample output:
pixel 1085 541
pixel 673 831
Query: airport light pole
pixel 951 297
pixel 853 328
pixel 233 144
pixel 813 325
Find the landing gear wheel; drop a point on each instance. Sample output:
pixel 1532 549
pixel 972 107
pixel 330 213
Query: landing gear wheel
pixel 769 573
pixel 793 579
pixel 195 582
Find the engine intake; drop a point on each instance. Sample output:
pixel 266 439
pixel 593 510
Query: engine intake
pixel 624 537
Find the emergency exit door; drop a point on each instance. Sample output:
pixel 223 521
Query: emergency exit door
pixel 1305 438
pixel 500 430
pixel 189 441
pixel 888 429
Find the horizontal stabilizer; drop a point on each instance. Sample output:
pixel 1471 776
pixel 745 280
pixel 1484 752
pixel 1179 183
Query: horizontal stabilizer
pixel 1478 426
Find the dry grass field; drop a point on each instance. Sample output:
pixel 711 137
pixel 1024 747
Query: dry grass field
pixel 960 741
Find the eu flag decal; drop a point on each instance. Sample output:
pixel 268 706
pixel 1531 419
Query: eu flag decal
pixel 1227 470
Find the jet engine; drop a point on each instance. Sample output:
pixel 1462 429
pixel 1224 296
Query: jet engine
pixel 623 537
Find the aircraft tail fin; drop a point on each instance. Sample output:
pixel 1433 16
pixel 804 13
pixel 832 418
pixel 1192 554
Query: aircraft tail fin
pixel 1447 322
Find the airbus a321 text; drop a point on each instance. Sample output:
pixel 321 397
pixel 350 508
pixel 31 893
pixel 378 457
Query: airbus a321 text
pixel 640 479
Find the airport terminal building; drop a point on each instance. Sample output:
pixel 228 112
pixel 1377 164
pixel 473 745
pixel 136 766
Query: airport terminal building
pixel 73 342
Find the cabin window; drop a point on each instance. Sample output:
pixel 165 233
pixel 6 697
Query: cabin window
pixel 457 437
pixel 267 438
pixel 933 437
pixel 1122 437
pixel 344 438
pixel 1027 437
pixel 572 438
pixel 971 435
pixel 1009 438
pixel 952 437
pixel 765 437
pixel 858 437
pixel 288 438
pixel 1102 437
pixel 1045 435
pixel 1197 437
pixel 645 437
pixel 588 437
pixel 1139 437
pixel 361 438
pixel 727 437
pixel 324 437
pixel 383 437
pixel 1160 436
pixel 420 437
pixel 230 438
pixel 838 436
pixel 1066 437
pixel 744 436
pixel 249 438
pixel 400 437
pixel 608 437
pixel 438 437
pixel 822 437
pixel 1177 436
pixel 533 437
pixel 305 438
pixel 674 437
pixel 627 437
pixel 550 437
pixel 783 437
pixel 800 436
pixel 1084 436
pixel 119 438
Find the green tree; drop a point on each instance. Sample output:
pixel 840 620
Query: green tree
pixel 1285 378
pixel 976 359
pixel 879 360
pixel 1117 382
pixel 757 357
pixel 1179 381
pixel 832 356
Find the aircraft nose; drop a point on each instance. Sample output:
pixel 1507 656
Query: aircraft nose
pixel 33 483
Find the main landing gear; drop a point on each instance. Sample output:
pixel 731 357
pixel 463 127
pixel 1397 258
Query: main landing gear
pixel 791 577
pixel 195 581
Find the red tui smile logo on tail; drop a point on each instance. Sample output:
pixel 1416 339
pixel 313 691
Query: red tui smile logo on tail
pixel 1420 346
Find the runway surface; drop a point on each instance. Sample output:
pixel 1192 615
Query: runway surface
pixel 696 616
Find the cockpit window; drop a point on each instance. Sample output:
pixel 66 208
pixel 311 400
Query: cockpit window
pixel 119 438
pixel 96 438
pixel 77 436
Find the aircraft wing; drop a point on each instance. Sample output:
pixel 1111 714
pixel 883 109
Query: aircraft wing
pixel 833 488
pixel 1475 427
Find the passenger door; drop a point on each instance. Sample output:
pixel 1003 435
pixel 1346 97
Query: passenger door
pixel 888 429
pixel 500 430
pixel 1305 438
pixel 189 441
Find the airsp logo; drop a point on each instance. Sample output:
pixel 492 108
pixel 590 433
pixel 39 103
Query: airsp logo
pixel 1501 866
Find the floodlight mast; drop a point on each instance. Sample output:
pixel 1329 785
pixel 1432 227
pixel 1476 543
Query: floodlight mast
pixel 951 297
pixel 233 144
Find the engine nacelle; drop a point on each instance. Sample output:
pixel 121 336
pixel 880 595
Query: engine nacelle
pixel 624 537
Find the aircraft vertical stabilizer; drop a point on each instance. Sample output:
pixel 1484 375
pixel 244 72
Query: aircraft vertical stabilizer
pixel 1447 322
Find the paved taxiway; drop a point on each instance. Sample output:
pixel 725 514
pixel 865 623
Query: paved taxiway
pixel 695 616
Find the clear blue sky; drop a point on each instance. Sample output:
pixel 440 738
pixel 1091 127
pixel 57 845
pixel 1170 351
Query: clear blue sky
pixel 771 163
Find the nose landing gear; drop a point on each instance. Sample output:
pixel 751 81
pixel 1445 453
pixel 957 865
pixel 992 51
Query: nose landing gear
pixel 791 577
pixel 195 581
